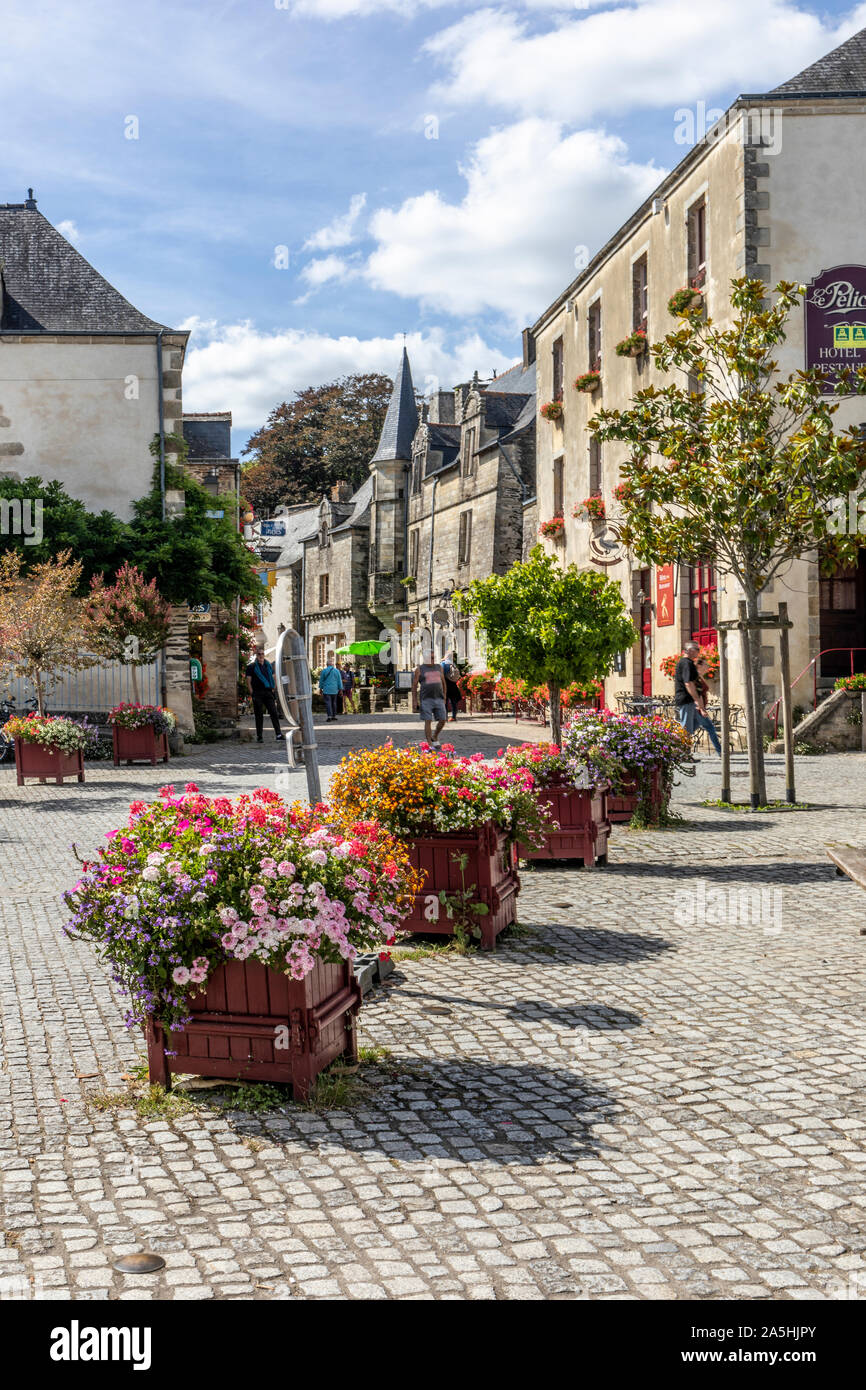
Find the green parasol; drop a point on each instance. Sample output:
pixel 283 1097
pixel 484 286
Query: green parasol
pixel 362 649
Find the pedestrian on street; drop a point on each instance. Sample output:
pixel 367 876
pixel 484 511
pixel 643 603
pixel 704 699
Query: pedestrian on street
pixel 263 688
pixel 690 695
pixel 331 686
pixel 348 687
pixel 428 696
pixel 452 689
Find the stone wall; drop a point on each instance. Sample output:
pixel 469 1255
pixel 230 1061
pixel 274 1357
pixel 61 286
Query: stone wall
pixel 828 726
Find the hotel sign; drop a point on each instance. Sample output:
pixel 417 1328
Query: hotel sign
pixel 665 596
pixel 835 309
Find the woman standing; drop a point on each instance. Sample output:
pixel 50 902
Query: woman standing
pixel 452 689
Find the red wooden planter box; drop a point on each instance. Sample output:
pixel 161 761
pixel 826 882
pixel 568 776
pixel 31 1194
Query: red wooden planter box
pixel 138 745
pixel 492 867
pixel 584 826
pixel 621 805
pixel 34 760
pixel 254 1024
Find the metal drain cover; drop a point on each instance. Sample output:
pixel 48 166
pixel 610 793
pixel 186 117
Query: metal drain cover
pixel 143 1263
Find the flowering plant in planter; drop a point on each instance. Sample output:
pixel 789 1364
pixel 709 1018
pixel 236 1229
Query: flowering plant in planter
pixel 553 529
pixel 588 381
pixel 855 682
pixel 193 881
pixel 708 653
pixel 134 716
pixel 625 749
pixel 480 683
pixel 686 301
pixel 592 507
pixel 545 761
pixel 577 694
pixel 632 346
pixel 552 410
pixel 412 791
pixel 51 731
pixel 508 689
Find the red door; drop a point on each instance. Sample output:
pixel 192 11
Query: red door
pixel 646 632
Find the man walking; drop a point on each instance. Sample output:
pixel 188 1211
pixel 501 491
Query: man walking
pixel 331 686
pixel 428 695
pixel 689 696
pixel 263 688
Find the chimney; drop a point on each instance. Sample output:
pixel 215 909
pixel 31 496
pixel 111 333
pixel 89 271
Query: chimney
pixel 528 348
pixel 30 201
pixel 441 408
pixel 342 492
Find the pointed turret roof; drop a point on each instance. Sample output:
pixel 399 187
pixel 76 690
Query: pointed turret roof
pixel 401 420
pixel 842 70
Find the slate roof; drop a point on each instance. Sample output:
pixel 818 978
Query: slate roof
pixel 208 438
pixel 48 286
pixel 444 440
pixel 401 420
pixel 301 526
pixel 502 409
pixel 842 70
pixel 360 508
pixel 518 378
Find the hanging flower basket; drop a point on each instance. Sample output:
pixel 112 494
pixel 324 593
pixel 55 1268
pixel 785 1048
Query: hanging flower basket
pixel 589 381
pixel 592 507
pixel 554 529
pixel 552 410
pixel 688 300
pixel 632 346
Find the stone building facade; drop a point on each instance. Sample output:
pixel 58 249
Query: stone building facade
pixel 775 192
pixel 450 498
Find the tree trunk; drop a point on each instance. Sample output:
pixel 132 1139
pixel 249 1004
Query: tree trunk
pixel 555 713
pixel 40 698
pixel 754 674
pixel 133 671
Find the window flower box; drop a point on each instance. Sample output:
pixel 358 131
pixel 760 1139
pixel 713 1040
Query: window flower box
pixel 552 410
pixel 593 507
pixel 634 345
pixel 554 529
pixel 589 381
pixel 252 1023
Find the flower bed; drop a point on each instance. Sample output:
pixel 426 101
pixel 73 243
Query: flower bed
pixel 193 887
pixel 461 821
pixel 580 826
pixel 47 746
pixel 635 754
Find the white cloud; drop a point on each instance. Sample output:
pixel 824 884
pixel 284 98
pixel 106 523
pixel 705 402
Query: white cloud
pixel 323 269
pixel 533 195
pixel 69 230
pixel 341 230
pixel 236 367
pixel 407 9
pixel 654 53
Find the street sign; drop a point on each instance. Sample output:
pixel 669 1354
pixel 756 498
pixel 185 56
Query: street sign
pixel 195 670
pixel 215 516
pixel 273 528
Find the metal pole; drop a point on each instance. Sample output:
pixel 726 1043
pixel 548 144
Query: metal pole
pixel 749 700
pixel 787 703
pixel 295 688
pixel 863 721
pixel 724 701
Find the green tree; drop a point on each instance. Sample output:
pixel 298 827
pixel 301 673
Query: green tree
pixel 550 624
pixel 127 621
pixel 97 540
pixel 195 558
pixel 744 472
pixel 325 434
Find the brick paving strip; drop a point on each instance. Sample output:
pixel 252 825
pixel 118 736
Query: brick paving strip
pixel 628 1100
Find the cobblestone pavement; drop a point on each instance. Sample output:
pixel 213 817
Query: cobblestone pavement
pixel 651 1091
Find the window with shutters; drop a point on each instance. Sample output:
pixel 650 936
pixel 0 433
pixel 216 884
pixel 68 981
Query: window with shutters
pixel 696 228
pixel 464 538
pixel 557 370
pixel 324 586
pixel 593 331
pixel 558 486
pixel 595 479
pixel 414 537
pixel 639 293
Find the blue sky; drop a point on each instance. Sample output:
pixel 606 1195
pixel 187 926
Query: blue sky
pixel 428 167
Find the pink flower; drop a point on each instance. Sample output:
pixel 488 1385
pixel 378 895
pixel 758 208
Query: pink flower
pixel 447 747
pixel 190 787
pixel 180 975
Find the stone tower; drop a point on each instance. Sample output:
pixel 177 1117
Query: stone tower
pixel 390 470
